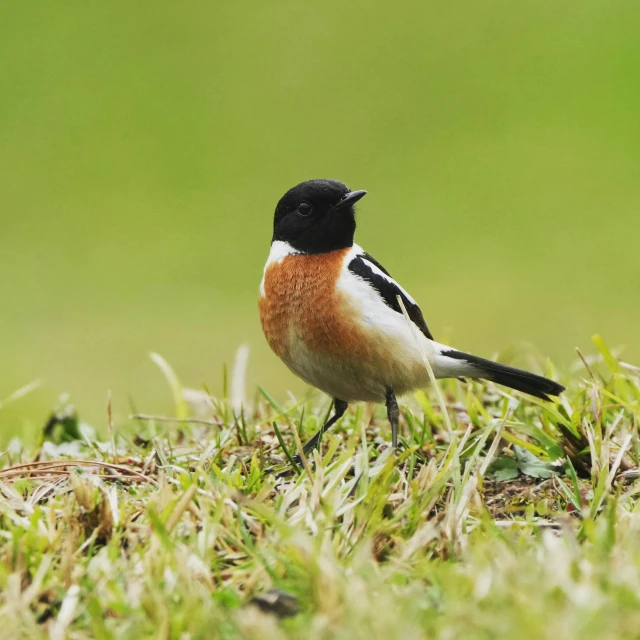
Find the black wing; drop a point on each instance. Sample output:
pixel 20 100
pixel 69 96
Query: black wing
pixel 369 269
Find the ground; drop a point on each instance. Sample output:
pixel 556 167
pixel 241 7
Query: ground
pixel 501 517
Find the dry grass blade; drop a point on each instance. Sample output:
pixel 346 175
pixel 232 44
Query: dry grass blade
pixel 44 467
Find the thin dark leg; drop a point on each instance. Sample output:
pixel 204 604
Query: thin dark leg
pixel 340 406
pixel 393 413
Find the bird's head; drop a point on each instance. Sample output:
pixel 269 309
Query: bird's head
pixel 317 216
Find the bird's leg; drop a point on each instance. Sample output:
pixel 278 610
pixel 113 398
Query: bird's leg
pixel 340 406
pixel 393 413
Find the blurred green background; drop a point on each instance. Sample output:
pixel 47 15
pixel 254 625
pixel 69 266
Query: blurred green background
pixel 143 147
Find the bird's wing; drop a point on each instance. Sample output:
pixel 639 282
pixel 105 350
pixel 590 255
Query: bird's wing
pixel 369 269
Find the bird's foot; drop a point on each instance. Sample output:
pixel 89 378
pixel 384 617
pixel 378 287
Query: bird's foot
pixel 306 450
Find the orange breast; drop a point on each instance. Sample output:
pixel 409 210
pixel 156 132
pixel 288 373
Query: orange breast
pixel 301 303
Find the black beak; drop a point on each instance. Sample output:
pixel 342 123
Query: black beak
pixel 348 200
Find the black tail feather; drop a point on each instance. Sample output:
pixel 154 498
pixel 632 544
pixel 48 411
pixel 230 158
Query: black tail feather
pixel 518 379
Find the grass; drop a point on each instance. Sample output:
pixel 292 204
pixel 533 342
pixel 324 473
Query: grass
pixel 521 521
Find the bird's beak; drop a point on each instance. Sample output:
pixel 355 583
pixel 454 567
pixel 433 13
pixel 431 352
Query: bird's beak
pixel 348 200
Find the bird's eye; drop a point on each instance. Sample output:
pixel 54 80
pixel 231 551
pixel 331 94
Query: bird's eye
pixel 304 209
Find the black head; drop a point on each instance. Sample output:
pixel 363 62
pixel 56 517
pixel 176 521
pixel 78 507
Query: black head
pixel 317 216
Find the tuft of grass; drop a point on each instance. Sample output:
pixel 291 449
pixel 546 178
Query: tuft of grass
pixel 521 520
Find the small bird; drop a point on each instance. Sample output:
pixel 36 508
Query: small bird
pixel 331 312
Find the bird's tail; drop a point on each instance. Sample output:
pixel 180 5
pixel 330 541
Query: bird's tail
pixel 450 363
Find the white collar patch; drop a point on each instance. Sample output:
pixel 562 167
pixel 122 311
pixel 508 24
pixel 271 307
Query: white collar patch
pixel 279 251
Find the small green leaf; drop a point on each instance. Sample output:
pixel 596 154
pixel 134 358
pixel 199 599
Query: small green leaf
pixel 532 466
pixel 504 468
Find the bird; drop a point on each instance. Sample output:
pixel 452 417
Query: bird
pixel 333 313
